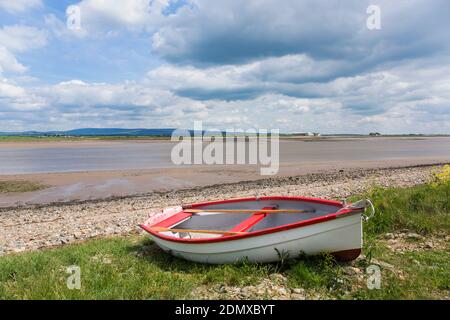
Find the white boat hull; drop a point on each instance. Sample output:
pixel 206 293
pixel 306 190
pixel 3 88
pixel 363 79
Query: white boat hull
pixel 340 235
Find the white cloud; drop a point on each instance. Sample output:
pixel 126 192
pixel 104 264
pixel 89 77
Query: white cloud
pixel 9 90
pixel 136 104
pixel 236 32
pixel 101 16
pixel 9 63
pixel 390 100
pixel 19 38
pixel 264 74
pixel 15 6
pixel 16 100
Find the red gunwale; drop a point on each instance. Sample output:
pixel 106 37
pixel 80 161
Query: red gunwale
pixel 182 215
pixel 306 199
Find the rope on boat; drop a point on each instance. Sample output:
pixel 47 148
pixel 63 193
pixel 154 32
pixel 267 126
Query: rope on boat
pixel 362 204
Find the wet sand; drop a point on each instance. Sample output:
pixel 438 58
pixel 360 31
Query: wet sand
pixel 297 157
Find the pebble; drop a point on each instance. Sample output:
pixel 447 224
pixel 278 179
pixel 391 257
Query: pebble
pixel 389 236
pixel 429 245
pixel 414 236
pixel 352 271
pixel 298 291
pixel 383 264
pixel 270 287
pixel 296 296
pixel 406 241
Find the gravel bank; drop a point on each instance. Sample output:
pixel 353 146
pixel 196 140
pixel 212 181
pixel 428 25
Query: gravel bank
pixel 30 228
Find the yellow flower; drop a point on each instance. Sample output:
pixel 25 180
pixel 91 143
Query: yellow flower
pixel 443 176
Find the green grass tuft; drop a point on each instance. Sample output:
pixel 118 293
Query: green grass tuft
pixel 424 209
pixel 19 186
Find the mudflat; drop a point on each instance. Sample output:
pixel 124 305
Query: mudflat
pixel 87 170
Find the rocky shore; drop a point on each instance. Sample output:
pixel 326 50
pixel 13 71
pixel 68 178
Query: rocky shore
pixel 35 227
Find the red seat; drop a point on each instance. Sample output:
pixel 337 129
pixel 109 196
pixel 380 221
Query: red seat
pixel 251 221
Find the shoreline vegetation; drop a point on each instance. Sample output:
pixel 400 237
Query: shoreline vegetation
pixel 18 186
pixel 408 239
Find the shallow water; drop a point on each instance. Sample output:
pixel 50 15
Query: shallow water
pixel 35 158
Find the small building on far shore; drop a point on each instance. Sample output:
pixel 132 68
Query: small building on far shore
pixel 374 134
pixel 308 134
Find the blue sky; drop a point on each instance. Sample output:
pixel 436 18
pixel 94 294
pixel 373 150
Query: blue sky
pixel 292 65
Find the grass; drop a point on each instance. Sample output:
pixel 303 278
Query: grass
pixel 19 186
pixel 134 268
pixel 427 277
pixel 120 268
pixel 422 209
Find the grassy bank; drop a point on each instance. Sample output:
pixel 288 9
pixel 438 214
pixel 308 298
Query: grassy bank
pixel 408 239
pixel 19 186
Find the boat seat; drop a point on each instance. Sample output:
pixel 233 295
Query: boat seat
pixel 174 220
pixel 252 220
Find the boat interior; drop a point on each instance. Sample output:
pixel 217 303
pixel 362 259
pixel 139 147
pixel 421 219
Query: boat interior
pixel 250 217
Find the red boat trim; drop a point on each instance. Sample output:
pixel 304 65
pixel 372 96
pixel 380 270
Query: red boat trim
pixel 305 199
pixel 177 217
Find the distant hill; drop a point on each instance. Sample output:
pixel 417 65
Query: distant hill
pixel 163 132
pixel 95 132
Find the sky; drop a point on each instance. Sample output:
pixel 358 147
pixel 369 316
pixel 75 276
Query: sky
pixel 291 65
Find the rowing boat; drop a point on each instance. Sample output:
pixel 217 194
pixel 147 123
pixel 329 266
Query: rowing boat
pixel 264 229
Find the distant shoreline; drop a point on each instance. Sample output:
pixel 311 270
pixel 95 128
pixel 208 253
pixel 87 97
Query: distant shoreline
pixel 79 138
pixel 51 139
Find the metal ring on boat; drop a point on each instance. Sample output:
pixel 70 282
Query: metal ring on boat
pixel 372 209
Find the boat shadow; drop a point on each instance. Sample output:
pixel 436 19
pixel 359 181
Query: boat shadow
pixel 149 251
